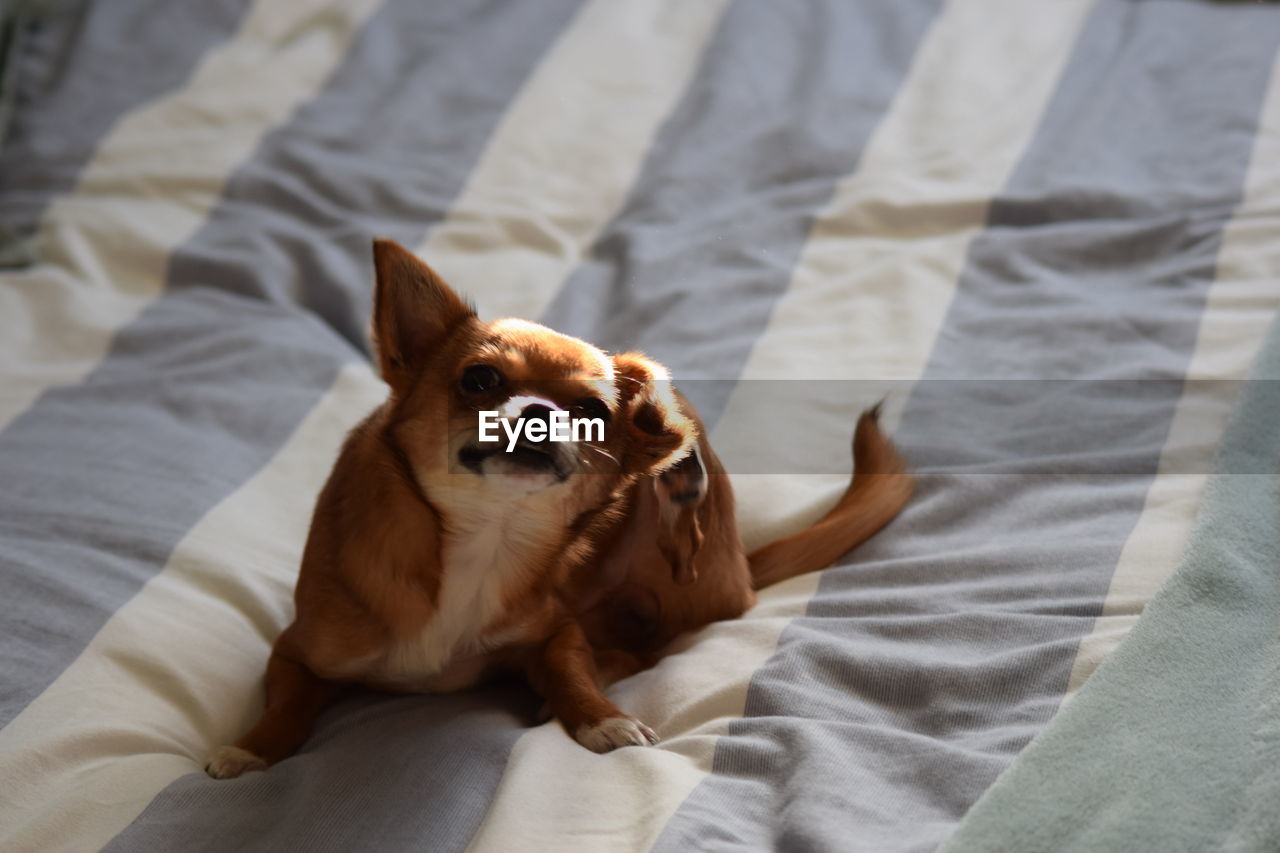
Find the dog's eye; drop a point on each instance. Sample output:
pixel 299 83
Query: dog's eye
pixel 479 379
pixel 591 408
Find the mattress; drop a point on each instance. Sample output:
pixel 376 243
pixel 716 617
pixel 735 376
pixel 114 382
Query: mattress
pixel 1046 236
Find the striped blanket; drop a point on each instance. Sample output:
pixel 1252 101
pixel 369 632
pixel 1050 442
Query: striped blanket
pixel 1047 233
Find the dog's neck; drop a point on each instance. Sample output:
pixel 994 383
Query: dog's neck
pixel 496 544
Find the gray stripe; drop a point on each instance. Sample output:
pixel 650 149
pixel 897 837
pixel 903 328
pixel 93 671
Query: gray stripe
pixel 381 774
pixel 79 68
pixel 922 669
pixel 104 478
pixel 782 107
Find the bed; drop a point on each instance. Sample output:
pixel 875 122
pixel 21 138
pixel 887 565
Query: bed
pixel 1046 236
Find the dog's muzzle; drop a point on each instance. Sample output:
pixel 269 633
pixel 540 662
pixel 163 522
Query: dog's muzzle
pixel 543 457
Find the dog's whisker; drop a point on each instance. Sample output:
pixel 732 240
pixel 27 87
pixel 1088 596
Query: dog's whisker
pixel 602 452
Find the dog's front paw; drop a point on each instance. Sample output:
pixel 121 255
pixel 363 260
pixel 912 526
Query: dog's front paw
pixel 613 732
pixel 230 761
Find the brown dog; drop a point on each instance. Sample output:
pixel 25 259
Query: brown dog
pixel 435 559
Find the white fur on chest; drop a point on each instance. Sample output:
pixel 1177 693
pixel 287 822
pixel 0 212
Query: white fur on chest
pixel 487 555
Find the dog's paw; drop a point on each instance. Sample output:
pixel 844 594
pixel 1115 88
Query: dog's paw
pixel 613 732
pixel 230 761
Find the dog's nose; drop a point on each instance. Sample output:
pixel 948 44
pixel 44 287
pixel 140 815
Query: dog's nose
pixel 537 412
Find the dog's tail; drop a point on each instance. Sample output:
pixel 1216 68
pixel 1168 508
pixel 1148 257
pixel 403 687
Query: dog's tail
pixel 880 487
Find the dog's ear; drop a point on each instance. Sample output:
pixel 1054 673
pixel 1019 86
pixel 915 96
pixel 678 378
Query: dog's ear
pixel 680 490
pixel 413 312
pixel 659 434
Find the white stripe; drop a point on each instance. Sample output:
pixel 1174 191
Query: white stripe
pixel 152 182
pixel 559 165
pixel 1242 301
pixel 178 668
pixel 866 300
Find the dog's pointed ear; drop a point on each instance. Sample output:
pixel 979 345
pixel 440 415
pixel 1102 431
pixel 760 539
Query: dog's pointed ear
pixel 413 312
pixel 680 491
pixel 659 433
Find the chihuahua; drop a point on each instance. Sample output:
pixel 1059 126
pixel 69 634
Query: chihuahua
pixel 436 559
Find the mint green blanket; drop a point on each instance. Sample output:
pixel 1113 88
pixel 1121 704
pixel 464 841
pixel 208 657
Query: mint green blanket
pixel 1174 744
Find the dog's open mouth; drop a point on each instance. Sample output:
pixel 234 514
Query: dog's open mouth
pixel 525 456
